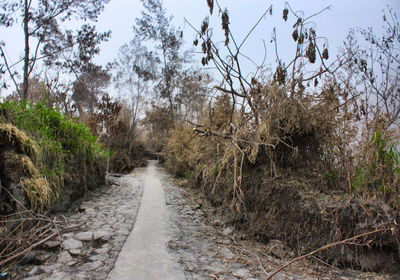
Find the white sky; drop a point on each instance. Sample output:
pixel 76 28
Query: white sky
pixel 334 24
pixel 119 16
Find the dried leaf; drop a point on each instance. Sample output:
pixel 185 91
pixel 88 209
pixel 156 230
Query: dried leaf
pixel 204 26
pixel 225 25
pixel 285 14
pixel 325 54
pixel 295 35
pixel 210 4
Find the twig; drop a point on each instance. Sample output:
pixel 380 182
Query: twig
pixel 261 266
pixel 29 248
pixel 323 248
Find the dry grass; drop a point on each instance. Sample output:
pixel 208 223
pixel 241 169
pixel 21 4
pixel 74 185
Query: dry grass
pixel 18 139
pixel 38 192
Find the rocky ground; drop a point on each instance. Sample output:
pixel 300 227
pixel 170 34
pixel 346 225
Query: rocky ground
pixel 89 250
pixel 205 247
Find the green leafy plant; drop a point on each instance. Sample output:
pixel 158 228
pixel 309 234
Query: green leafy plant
pixel 59 141
pixel 381 171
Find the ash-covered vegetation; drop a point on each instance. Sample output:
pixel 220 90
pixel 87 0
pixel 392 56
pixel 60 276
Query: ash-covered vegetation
pixel 304 150
pixel 306 153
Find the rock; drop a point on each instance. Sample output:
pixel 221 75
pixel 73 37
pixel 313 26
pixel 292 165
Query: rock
pixel 98 257
pixel 102 235
pixel 67 235
pixel 241 273
pixel 28 257
pixel 73 262
pixel 60 276
pixel 51 244
pixel 75 252
pixel 36 277
pixel 123 232
pixel 64 257
pixel 35 271
pixel 71 244
pixel 42 257
pixel 226 253
pixel 84 236
pixel 197 206
pixel 228 231
pixel 103 250
pixel 90 266
pixel 48 269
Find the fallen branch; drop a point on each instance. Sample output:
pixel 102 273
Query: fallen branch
pixel 323 248
pixel 29 248
pixel 207 132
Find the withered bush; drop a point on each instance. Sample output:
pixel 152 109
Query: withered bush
pixel 305 164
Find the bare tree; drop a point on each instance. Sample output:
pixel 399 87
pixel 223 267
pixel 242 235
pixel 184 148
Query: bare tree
pixel 373 75
pixel 44 36
pixel 156 26
pixel 134 67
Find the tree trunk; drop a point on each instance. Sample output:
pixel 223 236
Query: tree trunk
pixel 26 57
pixel 168 90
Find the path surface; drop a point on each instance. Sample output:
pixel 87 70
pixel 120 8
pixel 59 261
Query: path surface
pixel 145 255
pixel 145 227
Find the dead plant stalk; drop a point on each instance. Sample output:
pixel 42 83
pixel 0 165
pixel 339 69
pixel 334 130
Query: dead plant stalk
pixel 345 241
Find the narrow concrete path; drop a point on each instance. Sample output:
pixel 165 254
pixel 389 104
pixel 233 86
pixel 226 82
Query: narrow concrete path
pixel 144 254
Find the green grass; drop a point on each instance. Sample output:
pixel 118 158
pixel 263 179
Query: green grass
pixel 59 139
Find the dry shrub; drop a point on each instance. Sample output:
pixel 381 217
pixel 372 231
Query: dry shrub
pixel 34 185
pixel 182 151
pixel 17 139
pixel 38 191
pixel 377 170
pixel 289 175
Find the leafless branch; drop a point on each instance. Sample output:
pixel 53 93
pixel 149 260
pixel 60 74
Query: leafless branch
pixel 330 245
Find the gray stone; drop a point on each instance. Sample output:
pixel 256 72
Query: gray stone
pixel 90 266
pixel 35 271
pixel 122 232
pixel 82 276
pixel 75 252
pixel 99 257
pixel 42 257
pixel 36 277
pixel 73 262
pixel 60 276
pixel 228 231
pixel 84 236
pixel 28 257
pixel 67 235
pixel 101 250
pixel 51 244
pixel 241 273
pixel 226 253
pixel 64 257
pixel 102 235
pixel 71 244
pixel 48 269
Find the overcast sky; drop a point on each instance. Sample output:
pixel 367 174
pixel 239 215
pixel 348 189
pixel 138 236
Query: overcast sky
pixel 119 16
pixel 334 24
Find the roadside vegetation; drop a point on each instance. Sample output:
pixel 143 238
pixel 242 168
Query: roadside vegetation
pixel 303 150
pixel 308 153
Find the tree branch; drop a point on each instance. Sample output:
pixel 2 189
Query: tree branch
pixel 323 248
